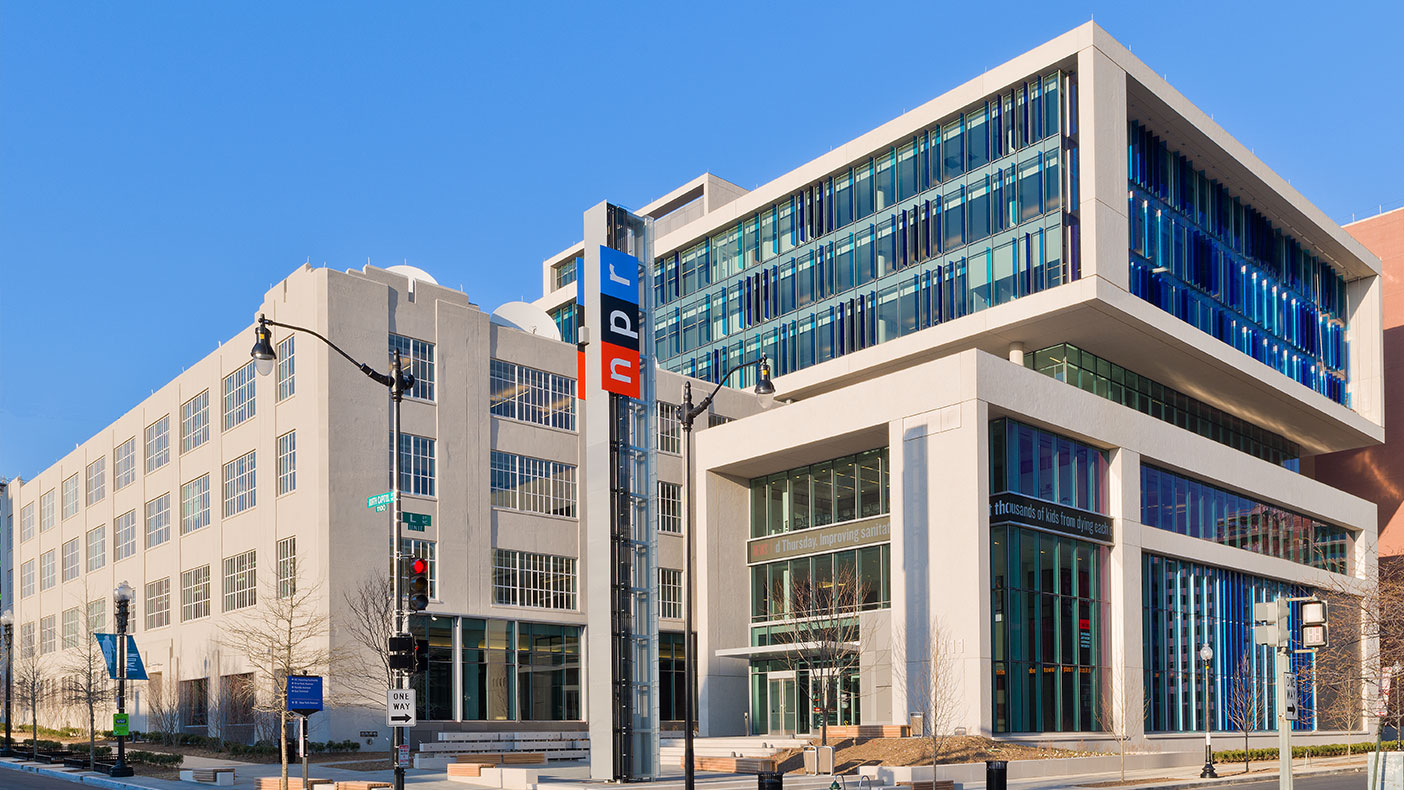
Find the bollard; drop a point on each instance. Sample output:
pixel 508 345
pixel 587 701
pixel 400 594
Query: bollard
pixel 996 775
pixel 770 780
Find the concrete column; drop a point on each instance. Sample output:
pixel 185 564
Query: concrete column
pixel 1102 176
pixel 1016 353
pixel 1123 579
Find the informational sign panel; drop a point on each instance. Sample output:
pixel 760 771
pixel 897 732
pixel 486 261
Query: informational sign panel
pixel 1007 508
pixel 108 644
pixel 399 708
pixel 120 725
pixel 618 322
pixel 402 755
pixel 304 694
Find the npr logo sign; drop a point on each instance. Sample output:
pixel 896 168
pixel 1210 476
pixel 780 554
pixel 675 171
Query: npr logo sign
pixel 619 322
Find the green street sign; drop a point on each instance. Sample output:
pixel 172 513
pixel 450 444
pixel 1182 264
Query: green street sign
pixel 120 725
pixel 415 521
pixel 379 501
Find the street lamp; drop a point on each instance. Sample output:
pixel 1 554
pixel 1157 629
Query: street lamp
pixel 687 413
pixel 398 381
pixel 7 623
pixel 1206 654
pixel 123 596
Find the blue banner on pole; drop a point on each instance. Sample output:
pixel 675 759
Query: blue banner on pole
pixel 136 670
pixel 304 694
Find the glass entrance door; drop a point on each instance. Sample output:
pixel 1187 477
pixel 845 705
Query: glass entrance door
pixel 783 708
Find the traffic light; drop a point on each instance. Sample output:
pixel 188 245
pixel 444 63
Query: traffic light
pixel 419 585
pixel 402 652
pixel 1270 623
pixel 421 655
pixel 1314 631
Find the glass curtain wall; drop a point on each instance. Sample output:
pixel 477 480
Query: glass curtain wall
pixel 967 214
pixel 1043 465
pixel 1182 504
pixel 1186 605
pixel 843 489
pixel 1202 254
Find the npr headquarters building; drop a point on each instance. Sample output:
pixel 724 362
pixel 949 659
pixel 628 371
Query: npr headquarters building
pixel 1053 355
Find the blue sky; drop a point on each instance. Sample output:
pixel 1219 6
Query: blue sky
pixel 162 163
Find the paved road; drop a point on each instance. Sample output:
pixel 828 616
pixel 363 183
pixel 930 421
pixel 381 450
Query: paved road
pixel 1336 782
pixel 23 780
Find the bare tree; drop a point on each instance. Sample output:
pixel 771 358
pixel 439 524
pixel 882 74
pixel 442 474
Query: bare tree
pixel 937 687
pixel 31 679
pixel 1245 706
pixel 1121 703
pixel 87 683
pixel 162 706
pixel 231 713
pixel 820 619
pixel 283 634
pixel 367 675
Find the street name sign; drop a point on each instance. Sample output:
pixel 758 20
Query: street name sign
pixel 380 501
pixel 415 521
pixel 399 708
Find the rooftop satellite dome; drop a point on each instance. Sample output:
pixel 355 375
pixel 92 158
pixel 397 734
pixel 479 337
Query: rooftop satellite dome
pixel 526 317
pixel 412 272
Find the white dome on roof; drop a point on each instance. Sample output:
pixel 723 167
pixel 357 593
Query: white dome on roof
pixel 412 272
pixel 526 317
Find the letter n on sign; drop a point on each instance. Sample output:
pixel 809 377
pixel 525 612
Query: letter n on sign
pixel 618 320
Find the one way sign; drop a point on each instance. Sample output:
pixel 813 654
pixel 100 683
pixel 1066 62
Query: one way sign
pixel 399 708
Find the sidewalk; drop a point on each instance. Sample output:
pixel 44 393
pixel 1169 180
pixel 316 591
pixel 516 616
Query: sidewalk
pixel 1230 774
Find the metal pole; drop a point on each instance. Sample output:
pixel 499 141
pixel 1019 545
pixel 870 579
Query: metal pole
pixel 397 734
pixel 120 768
pixel 302 744
pixel 9 750
pixel 689 658
pixel 1208 772
pixel 1284 727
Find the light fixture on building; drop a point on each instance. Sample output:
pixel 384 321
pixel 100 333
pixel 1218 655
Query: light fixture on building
pixel 263 353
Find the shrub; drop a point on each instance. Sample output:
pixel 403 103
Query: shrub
pixel 155 758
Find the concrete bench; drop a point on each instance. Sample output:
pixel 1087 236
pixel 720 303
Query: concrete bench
pixel 359 784
pixel 223 777
pixel 732 765
pixel 294 783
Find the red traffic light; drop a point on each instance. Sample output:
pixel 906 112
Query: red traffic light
pixel 419 566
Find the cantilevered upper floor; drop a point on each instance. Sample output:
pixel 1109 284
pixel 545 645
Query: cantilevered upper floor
pixel 1069 196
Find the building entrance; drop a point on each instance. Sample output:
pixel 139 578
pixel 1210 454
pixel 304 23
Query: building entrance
pixel 783 703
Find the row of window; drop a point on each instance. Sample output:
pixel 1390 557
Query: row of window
pixel 964 144
pixel 505 670
pixel 1081 369
pixel 843 489
pixel 240 591
pixel 542 581
pixel 1043 465
pixel 533 485
pixel 530 395
pixel 843 581
pixel 1182 504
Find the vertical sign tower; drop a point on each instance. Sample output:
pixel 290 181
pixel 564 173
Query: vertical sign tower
pixel 619 559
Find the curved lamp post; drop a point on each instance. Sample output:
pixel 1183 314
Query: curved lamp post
pixel 1206 654
pixel 123 596
pixel 398 381
pixel 687 414
pixel 7 623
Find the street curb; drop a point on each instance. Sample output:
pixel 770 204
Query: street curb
pixel 1243 780
pixel 90 779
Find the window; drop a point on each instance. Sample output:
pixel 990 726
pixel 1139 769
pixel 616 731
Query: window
pixel 418 357
pixel 27 578
pixel 669 507
pixel 97 615
pixel 670 593
pixel 287 384
pixel 97 481
pixel 195 702
pixel 46 511
pixel 48 570
pixel 287 462
pixel 97 548
pixel 844 489
pixel 534 485
pixel 239 396
pixel 158 444
pixel 239 493
pixel 195 422
pixel 158 603
pixel 564 273
pixel 416 464
pixel 287 567
pixel 240 581
pixel 72 559
pixel 124 536
pixel 124 464
pixel 27 522
pixel 195 504
pixel 424 550
pixel 669 428
pixel 48 637
pixel 70 496
pixel 27 640
pixel 72 628
pixel 195 593
pixel 540 581
pixel 530 395
pixel 158 521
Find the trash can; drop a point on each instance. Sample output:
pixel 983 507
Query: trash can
pixel 770 780
pixel 996 775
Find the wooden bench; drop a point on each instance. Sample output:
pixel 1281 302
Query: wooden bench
pixel 731 765
pixel 294 783
pixel 862 732
pixel 215 776
pixel 361 784
pixel 939 784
